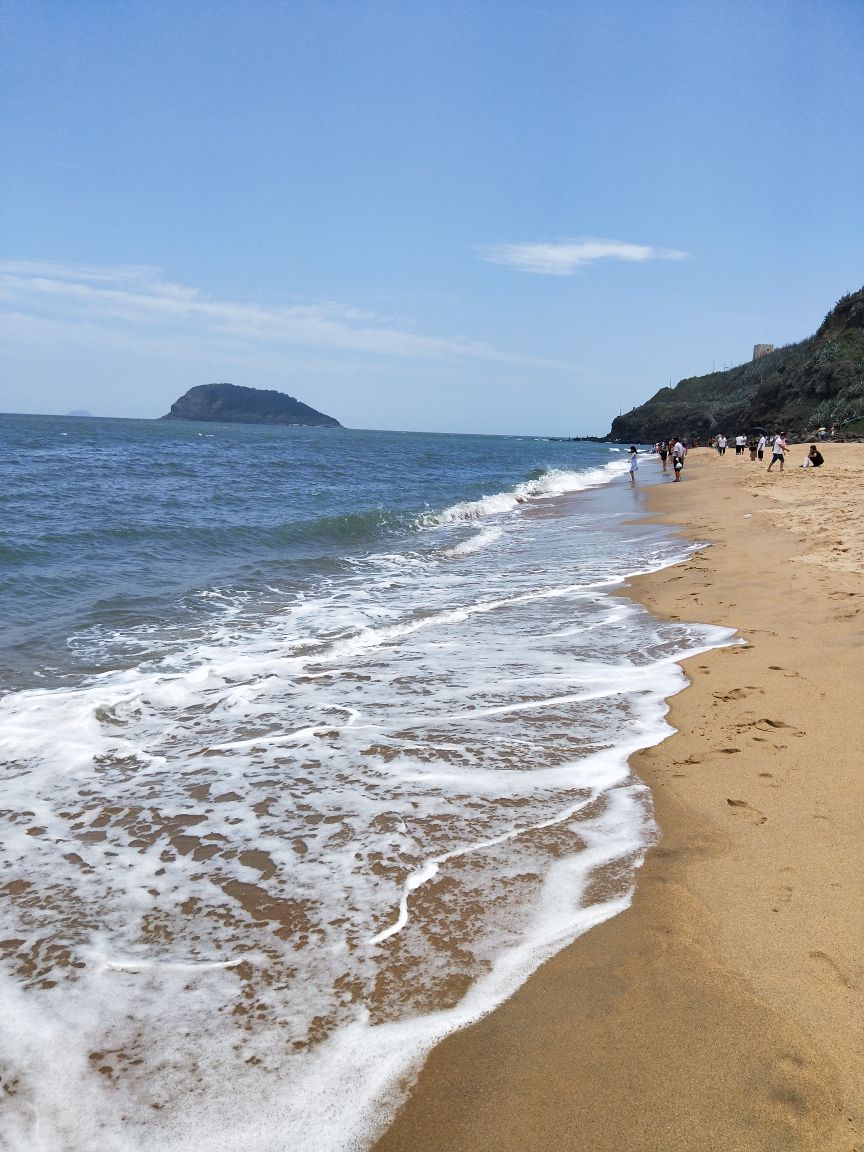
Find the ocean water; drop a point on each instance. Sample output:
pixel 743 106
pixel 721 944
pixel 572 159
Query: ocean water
pixel 314 746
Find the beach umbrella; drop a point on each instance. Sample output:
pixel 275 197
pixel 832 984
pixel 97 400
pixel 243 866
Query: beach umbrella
pixel 759 431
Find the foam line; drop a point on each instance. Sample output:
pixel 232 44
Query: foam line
pixel 172 965
pixel 647 674
pixel 431 868
pixel 374 637
pixel 395 1049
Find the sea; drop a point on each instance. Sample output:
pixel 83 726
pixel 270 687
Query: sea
pixel 314 747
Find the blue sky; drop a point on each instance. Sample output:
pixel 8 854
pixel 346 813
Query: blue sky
pixel 474 216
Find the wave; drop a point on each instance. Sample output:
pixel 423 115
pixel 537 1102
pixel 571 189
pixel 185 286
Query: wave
pixel 155 540
pixel 218 538
pixel 476 543
pixel 540 484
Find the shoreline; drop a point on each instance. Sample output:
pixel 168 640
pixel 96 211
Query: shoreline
pixel 722 1010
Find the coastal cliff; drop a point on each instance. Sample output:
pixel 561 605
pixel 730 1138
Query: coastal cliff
pixel 234 404
pixel 795 389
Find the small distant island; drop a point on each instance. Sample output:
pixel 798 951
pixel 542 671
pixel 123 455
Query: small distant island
pixel 234 404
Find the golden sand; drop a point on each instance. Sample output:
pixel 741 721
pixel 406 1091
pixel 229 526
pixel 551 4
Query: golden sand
pixel 724 1010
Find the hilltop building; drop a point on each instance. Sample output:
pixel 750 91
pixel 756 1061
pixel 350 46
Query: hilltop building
pixel 760 350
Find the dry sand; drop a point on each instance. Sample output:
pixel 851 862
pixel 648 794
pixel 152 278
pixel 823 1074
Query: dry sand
pixel 723 1010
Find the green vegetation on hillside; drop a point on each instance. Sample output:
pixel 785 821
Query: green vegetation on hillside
pixel 795 389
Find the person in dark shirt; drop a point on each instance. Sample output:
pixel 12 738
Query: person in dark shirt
pixel 814 458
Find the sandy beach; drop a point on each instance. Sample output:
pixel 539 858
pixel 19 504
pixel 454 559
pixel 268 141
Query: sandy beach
pixel 723 1010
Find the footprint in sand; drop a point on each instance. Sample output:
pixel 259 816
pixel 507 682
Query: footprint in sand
pixel 792 1090
pixel 738 693
pixel 758 817
pixel 766 724
pixel 828 965
pixel 783 896
pixel 770 782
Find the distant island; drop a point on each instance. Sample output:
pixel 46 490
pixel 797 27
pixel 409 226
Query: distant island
pixel 234 404
pixel 79 412
pixel 795 389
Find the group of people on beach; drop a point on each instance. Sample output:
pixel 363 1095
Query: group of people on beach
pixel 676 449
pixel 755 444
pixel 673 448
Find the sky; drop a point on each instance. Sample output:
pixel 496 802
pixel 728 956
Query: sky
pixel 449 215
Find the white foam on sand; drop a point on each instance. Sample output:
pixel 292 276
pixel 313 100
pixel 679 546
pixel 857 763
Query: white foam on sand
pixel 249 884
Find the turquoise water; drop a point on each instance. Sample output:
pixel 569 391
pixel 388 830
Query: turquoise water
pixel 314 745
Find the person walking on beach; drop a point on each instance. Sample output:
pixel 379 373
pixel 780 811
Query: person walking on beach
pixel 664 452
pixel 752 444
pixel 678 454
pixel 778 451
pixel 634 463
pixel 721 445
pixel 760 447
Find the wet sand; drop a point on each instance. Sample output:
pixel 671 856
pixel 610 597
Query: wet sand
pixel 724 1010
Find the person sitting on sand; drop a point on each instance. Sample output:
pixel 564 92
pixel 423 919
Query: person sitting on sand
pixel 814 458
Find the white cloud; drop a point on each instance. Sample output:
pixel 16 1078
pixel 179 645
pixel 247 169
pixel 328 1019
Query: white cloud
pixel 139 300
pixel 564 257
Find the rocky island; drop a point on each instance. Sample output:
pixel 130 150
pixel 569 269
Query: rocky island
pixel 795 389
pixel 234 404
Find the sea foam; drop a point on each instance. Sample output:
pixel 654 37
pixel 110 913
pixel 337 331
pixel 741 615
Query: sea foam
pixel 291 850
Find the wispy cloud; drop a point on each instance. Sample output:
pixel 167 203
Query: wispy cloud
pixel 564 257
pixel 139 299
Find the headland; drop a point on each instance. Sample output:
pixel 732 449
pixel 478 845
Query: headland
pixel 793 389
